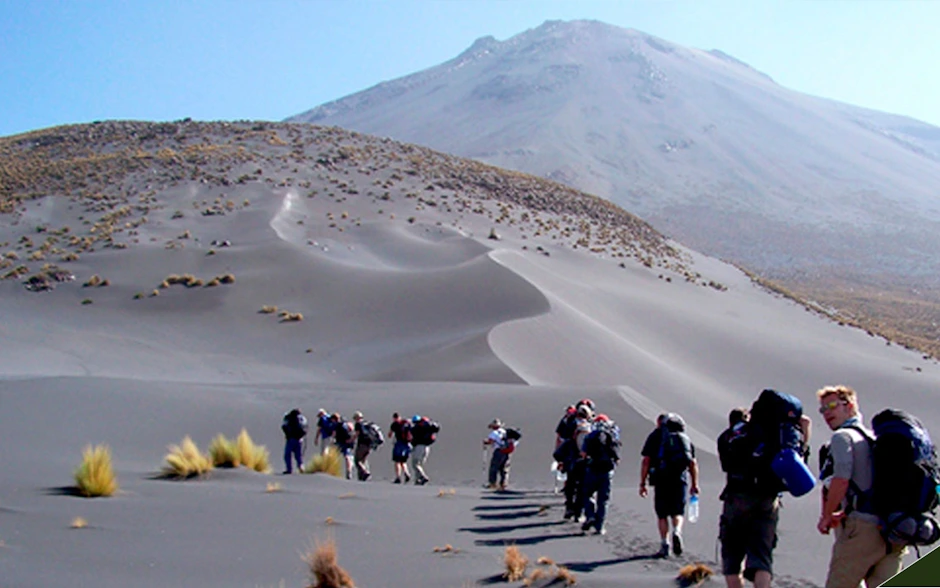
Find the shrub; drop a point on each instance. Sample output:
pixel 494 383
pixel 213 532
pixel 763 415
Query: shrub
pixel 185 460
pixel 516 563
pixel 266 309
pixel 324 568
pixel 693 574
pixel 224 452
pixel 95 476
pixel 253 457
pixel 329 462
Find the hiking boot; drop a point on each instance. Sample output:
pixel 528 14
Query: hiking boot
pixel 489 486
pixel 601 531
pixel 568 515
pixel 422 481
pixel 397 481
pixel 587 524
pixel 677 543
pixel 663 551
pixel 407 478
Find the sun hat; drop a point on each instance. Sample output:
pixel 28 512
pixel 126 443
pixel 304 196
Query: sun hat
pixel 496 424
pixel 357 415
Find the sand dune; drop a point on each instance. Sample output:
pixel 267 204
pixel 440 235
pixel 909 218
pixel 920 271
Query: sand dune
pixel 409 308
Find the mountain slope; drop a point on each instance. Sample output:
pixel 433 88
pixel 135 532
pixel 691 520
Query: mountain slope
pixel 707 149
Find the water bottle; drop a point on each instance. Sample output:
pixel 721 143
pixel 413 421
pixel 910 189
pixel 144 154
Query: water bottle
pixel 693 509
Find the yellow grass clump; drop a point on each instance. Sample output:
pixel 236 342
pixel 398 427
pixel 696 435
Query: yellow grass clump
pixel 693 574
pixel 267 309
pixel 95 476
pixel 329 462
pixel 324 568
pixel 185 460
pixel 516 563
pixel 272 487
pixel 242 451
pixel 224 452
pixel 253 457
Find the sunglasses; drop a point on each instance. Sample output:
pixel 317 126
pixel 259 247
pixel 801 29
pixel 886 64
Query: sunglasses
pixel 830 405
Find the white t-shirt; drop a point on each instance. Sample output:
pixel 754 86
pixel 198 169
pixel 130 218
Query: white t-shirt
pixel 498 438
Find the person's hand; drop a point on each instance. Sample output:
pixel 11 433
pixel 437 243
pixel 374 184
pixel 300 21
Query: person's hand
pixel 827 522
pixel 694 489
pixel 643 490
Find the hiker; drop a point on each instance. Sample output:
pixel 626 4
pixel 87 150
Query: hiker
pixel 363 448
pixel 324 430
pixel 602 454
pixel 400 431
pixel 344 437
pixel 576 462
pixel 423 434
pixel 294 426
pixel 859 553
pixel 751 496
pixel 668 463
pixel 503 447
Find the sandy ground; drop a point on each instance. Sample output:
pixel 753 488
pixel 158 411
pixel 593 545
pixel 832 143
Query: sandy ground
pixel 426 317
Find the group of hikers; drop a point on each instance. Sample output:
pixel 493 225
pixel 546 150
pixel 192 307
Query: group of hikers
pixel 880 485
pixel 356 439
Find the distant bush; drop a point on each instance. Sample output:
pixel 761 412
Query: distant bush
pixel 185 460
pixel 241 451
pixel 329 462
pixel 95 476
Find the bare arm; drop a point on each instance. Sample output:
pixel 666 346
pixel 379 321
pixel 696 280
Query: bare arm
pixel 831 515
pixel 644 472
pixel 693 472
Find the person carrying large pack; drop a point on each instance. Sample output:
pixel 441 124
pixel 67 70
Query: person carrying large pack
pixel 602 454
pixel 669 465
pixel 880 489
pixel 762 453
pixel 294 426
pixel 423 434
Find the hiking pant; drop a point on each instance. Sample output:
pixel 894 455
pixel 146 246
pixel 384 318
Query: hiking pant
pixel 859 554
pixel 293 448
pixel 499 467
pixel 574 487
pixel 596 484
pixel 419 457
pixel 362 462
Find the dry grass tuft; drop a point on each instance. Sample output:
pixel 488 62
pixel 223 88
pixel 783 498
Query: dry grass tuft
pixel 448 548
pixel 224 452
pixel 95 476
pixel 445 493
pixel 347 495
pixel 78 523
pixel 565 575
pixel 186 461
pixel 545 561
pixel 329 521
pixel 324 568
pixel 272 487
pixel 329 462
pixel 227 278
pixel 516 563
pixel 253 457
pixel 536 575
pixel 693 574
pixel 266 309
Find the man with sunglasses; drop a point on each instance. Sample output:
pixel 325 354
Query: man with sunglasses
pixel 859 554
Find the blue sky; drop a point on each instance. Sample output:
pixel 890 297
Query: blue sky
pixel 72 61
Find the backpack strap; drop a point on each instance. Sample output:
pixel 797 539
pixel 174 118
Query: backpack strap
pixel 861 500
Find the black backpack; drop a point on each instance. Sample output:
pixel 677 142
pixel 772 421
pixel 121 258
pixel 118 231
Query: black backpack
pixel 425 431
pixel 291 426
pixel 602 447
pixel 373 434
pixel 513 433
pixel 905 478
pixel 675 451
pixel 747 450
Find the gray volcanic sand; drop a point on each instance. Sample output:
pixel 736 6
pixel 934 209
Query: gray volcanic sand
pixel 427 317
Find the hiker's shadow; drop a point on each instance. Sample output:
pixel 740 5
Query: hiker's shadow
pixel 535 540
pixel 590 566
pixel 509 528
pixel 506 516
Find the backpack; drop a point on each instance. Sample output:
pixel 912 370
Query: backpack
pixel 372 434
pixel 292 427
pixel 567 426
pixel 905 478
pixel 344 432
pixel 513 433
pixel 675 451
pixel 425 431
pixel 602 446
pixel 747 450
